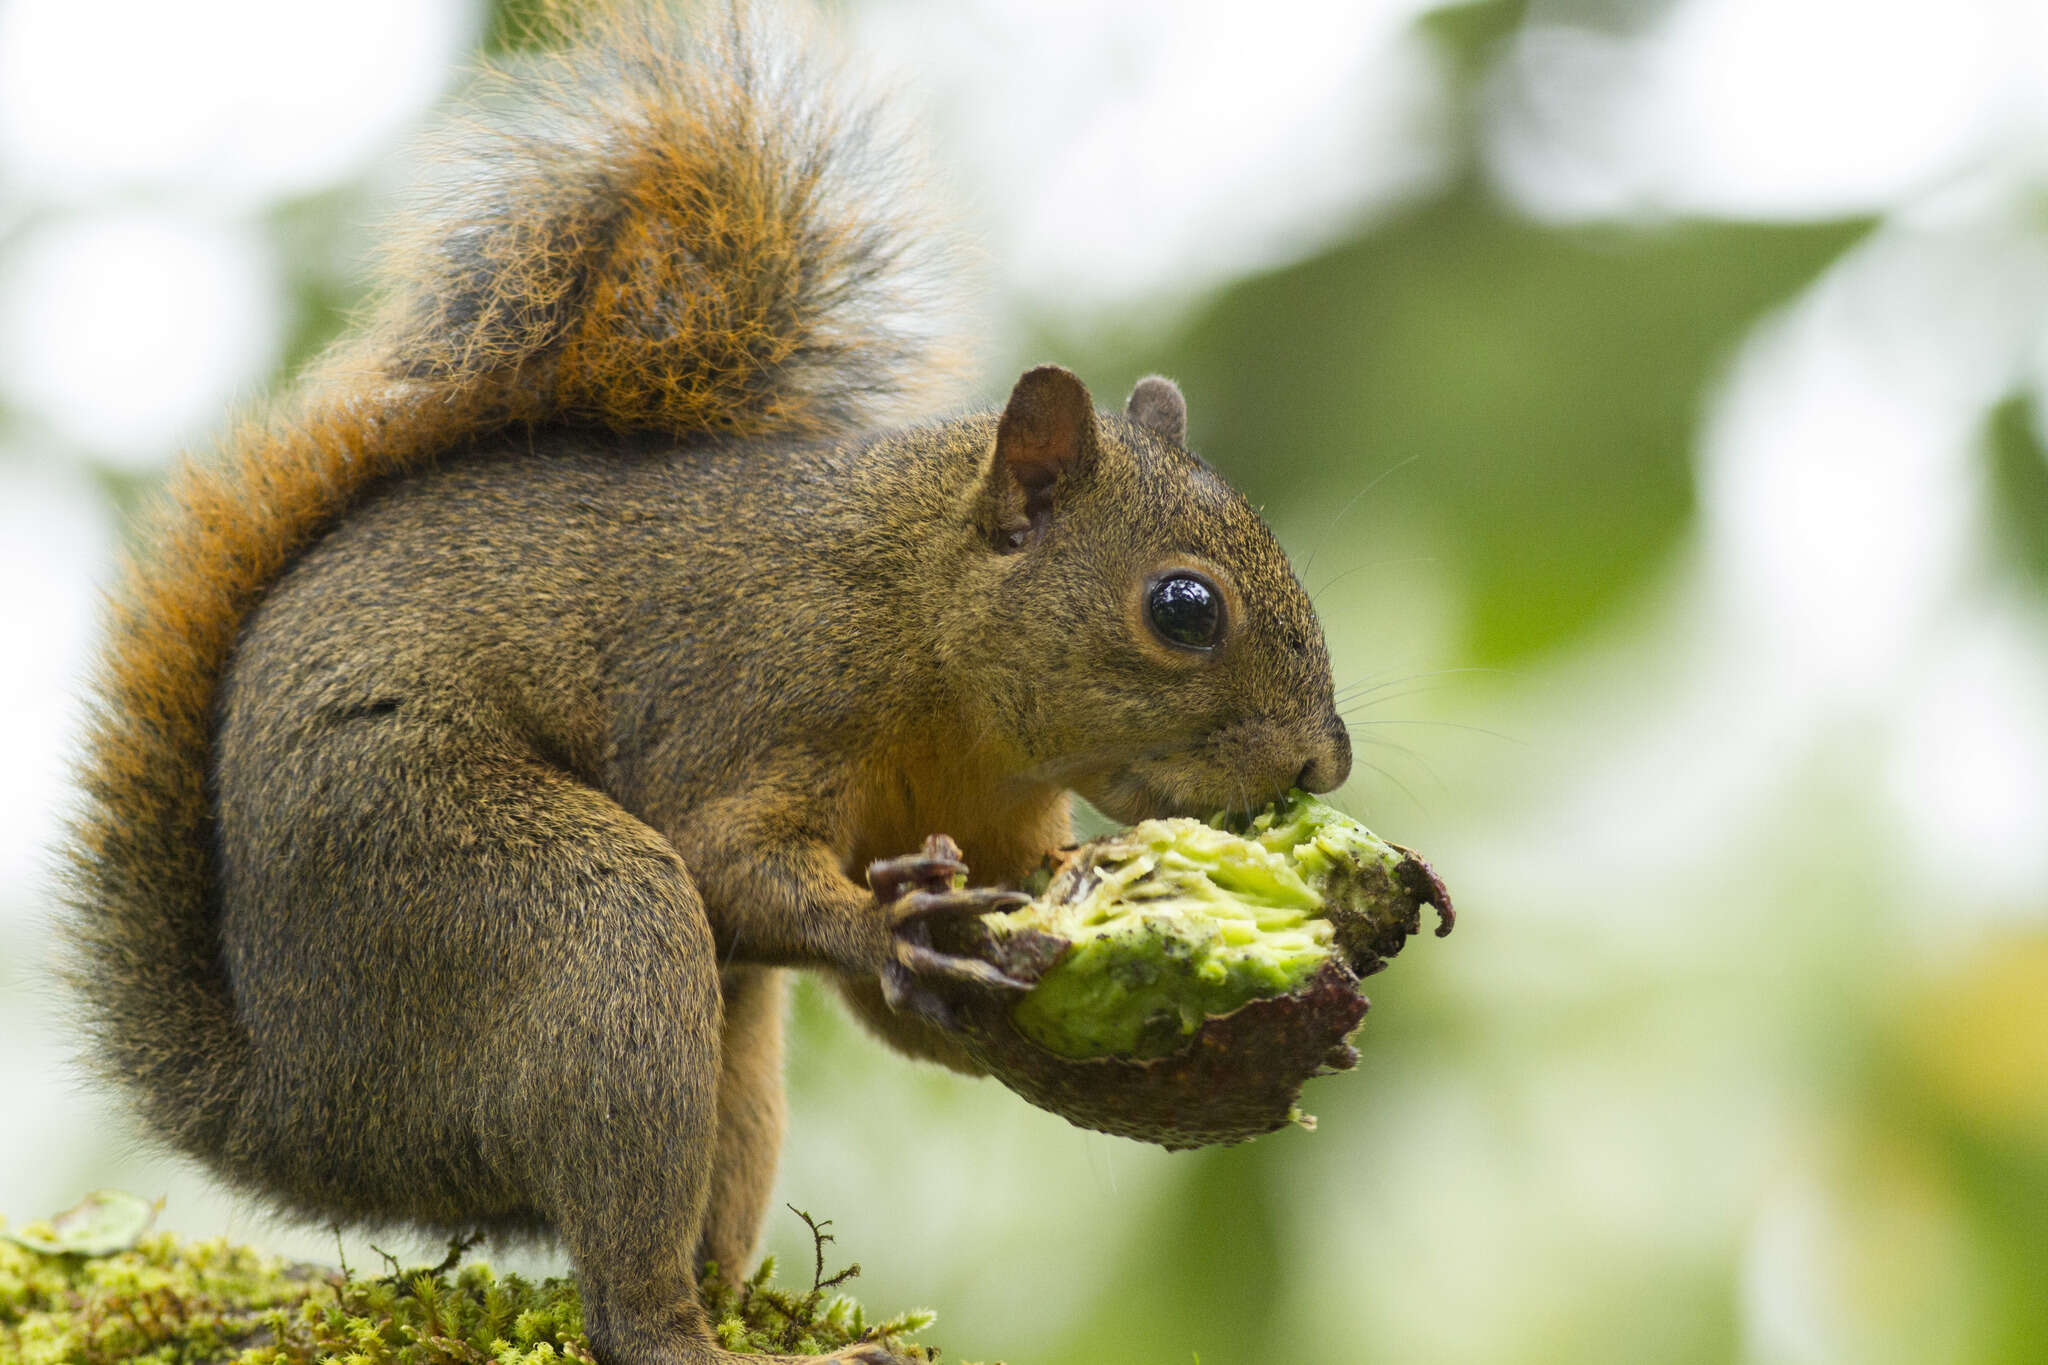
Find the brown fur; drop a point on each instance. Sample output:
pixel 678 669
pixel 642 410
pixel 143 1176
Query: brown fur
pixel 479 737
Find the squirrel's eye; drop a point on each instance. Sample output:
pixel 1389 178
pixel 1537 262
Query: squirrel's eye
pixel 1186 609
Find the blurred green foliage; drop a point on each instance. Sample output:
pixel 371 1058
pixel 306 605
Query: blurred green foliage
pixel 1537 388
pixel 2019 486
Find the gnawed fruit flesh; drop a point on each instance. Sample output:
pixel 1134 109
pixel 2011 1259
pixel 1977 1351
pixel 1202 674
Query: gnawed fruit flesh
pixel 1172 921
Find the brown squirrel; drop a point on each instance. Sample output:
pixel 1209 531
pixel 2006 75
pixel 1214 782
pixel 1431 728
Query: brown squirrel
pixel 481 734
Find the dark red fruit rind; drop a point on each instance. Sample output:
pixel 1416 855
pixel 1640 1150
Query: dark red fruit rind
pixel 1418 880
pixel 1237 1076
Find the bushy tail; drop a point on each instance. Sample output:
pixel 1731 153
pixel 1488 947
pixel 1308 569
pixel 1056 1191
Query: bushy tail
pixel 678 223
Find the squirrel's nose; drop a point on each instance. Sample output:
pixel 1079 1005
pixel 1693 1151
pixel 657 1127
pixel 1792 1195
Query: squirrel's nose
pixel 1326 771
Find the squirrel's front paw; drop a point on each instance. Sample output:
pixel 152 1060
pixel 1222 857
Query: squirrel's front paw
pixel 910 892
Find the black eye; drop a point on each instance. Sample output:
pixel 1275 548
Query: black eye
pixel 1186 609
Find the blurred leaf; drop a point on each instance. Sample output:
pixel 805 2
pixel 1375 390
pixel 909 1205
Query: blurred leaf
pixel 2019 486
pixel 102 1223
pixel 2008 1189
pixel 1543 382
pixel 1469 33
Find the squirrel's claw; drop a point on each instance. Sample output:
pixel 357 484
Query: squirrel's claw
pixel 923 981
pixel 932 869
pixel 980 900
pixel 968 971
pixel 913 890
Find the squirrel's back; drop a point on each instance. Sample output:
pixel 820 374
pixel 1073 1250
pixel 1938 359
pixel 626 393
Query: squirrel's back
pixel 679 224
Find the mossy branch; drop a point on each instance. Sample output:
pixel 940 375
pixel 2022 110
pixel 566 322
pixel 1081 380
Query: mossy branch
pixel 165 1301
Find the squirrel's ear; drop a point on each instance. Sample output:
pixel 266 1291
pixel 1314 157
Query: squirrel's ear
pixel 1047 431
pixel 1156 403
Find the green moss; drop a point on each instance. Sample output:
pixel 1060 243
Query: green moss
pixel 1175 920
pixel 164 1301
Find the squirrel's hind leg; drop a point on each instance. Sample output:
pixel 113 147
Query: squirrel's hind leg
pixel 641 1092
pixel 513 975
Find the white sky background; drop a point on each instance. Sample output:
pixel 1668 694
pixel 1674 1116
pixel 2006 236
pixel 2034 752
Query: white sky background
pixel 1122 159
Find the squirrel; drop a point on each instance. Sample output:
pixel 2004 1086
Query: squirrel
pixel 482 732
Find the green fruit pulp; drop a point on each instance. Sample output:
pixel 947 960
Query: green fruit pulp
pixel 1175 920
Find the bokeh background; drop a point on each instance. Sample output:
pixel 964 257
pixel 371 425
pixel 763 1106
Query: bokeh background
pixel 1650 392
